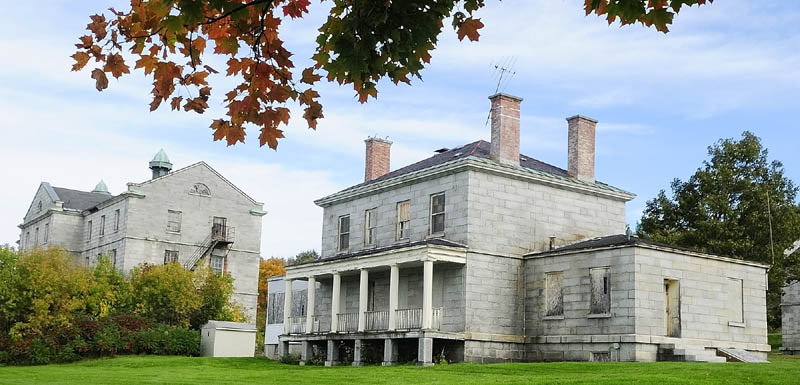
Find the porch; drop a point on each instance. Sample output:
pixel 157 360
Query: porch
pixel 389 295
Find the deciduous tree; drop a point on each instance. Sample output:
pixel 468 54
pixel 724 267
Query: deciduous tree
pixel 360 43
pixel 738 204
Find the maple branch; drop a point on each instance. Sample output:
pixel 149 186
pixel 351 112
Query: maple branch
pixel 237 9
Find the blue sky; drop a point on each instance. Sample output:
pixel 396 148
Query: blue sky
pixel 660 99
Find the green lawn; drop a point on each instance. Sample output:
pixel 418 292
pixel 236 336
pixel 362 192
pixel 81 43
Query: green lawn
pixel 177 370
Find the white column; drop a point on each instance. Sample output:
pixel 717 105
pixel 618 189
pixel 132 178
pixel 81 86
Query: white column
pixel 427 294
pixel 394 280
pixel 287 305
pixel 337 285
pixel 362 300
pixel 312 286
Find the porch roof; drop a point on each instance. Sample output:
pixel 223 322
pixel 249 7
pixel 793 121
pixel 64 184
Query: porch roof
pixel 436 249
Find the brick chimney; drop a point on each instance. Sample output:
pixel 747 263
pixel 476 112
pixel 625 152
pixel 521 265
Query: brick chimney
pixel 377 160
pixel 581 148
pixel 505 128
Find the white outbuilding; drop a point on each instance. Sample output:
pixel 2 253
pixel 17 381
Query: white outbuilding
pixel 227 339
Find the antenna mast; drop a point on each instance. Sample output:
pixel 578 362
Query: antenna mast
pixel 504 72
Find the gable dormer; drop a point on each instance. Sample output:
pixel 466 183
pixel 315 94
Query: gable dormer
pixel 45 199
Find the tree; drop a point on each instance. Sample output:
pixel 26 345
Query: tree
pixel 738 204
pixel 360 43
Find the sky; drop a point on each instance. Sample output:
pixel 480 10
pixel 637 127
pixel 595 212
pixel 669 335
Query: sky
pixel 660 100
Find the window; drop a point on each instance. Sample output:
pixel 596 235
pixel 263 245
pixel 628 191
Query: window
pixel 36 237
pixel 170 256
pixel 370 226
pixel 174 221
pixel 403 220
pixel 87 260
pixel 116 220
pixel 200 189
pixel 39 207
pixel 437 213
pixel 217 263
pixel 102 225
pixel 554 295
pixel 344 232
pixel 601 291
pixel 735 306
pixel 89 231
pixel 28 239
pixel 46 232
pixel 114 257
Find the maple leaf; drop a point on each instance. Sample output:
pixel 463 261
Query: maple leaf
pixel 197 105
pixel 116 65
pixel 86 42
pixel 98 26
pixel 469 28
pixel 309 77
pixel 81 58
pixel 101 79
pixel 155 103
pixel 148 63
pixel 175 103
pixel 296 8
pixel 269 136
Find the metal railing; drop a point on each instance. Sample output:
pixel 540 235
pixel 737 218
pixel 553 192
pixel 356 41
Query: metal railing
pixel 376 320
pixel 347 322
pixel 297 325
pixel 219 233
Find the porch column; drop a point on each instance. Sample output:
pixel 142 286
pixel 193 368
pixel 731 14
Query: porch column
pixel 394 279
pixel 337 285
pixel 333 354
pixel 362 300
pixel 427 294
pixel 425 351
pixel 312 287
pixel 287 305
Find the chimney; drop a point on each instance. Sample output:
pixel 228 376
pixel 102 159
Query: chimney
pixel 377 160
pixel 505 128
pixel 581 148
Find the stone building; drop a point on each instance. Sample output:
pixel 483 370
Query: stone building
pixel 790 318
pixel 192 215
pixel 482 254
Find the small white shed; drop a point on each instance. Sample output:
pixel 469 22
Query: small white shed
pixel 227 339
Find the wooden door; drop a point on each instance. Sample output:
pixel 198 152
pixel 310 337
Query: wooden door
pixel 672 308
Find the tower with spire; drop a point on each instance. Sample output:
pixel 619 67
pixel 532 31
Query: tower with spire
pixel 160 165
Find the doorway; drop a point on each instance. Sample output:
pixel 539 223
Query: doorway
pixel 218 226
pixel 672 307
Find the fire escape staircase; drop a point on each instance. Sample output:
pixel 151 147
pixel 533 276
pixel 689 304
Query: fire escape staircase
pixel 221 237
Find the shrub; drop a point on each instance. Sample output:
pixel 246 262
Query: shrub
pixel 290 359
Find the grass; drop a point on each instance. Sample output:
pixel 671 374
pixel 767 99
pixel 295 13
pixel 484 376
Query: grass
pixel 775 340
pixel 187 370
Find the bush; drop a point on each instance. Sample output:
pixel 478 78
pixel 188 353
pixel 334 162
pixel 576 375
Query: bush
pixel 290 359
pixel 52 310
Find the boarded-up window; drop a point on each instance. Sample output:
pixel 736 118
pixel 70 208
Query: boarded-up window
pixel 403 220
pixel 554 295
pixel 170 256
pixel 601 290
pixel 275 308
pixel 174 221
pixel 299 302
pixel 735 300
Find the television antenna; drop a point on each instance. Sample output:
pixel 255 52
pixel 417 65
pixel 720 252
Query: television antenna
pixel 503 73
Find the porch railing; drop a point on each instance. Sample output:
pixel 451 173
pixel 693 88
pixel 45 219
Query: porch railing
pixel 297 325
pixel 436 318
pixel 377 320
pixel 347 322
pixel 409 318
pixel 412 318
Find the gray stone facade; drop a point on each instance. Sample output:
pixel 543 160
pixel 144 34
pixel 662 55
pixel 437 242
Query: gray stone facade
pixel 133 228
pixel 790 311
